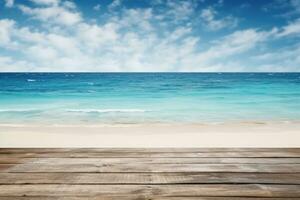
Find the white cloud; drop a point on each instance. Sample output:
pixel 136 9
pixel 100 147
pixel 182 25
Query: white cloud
pixel 6 26
pixel 225 50
pixel 115 4
pixel 137 18
pixel 9 64
pixel 28 37
pixel 296 5
pixel 139 39
pixel 41 53
pixel 281 59
pixel 287 9
pixel 210 21
pixel 179 33
pixel 180 10
pixel 97 7
pixel 9 3
pixel 69 4
pixel 61 15
pixel 243 40
pixel 46 2
pixel 107 47
pixel 292 28
pixel 95 36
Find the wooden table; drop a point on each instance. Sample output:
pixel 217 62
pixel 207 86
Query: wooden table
pixel 158 174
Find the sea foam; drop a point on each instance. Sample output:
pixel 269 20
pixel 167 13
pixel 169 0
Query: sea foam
pixel 107 110
pixel 19 110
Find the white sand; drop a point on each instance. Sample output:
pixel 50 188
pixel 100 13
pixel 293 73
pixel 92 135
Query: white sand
pixel 153 135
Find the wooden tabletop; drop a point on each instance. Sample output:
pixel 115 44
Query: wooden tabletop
pixel 156 174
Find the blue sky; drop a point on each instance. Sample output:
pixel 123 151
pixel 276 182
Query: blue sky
pixel 158 35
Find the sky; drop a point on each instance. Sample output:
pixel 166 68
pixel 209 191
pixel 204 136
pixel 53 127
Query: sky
pixel 149 36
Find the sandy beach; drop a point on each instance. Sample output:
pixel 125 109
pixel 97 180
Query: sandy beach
pixel 241 134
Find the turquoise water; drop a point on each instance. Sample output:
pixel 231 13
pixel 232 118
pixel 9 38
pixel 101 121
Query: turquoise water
pixel 96 98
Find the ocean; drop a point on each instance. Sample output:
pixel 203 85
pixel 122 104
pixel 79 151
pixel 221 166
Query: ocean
pixel 125 98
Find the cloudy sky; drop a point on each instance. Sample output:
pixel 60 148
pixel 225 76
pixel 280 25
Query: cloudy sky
pixel 145 35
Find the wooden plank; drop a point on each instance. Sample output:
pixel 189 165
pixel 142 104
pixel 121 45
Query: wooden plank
pixel 143 167
pixel 107 174
pixel 9 160
pixel 56 161
pixel 141 150
pixel 147 178
pixel 269 154
pixel 221 190
pixel 132 197
pixel 218 198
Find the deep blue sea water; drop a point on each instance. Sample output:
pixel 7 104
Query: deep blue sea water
pixel 96 98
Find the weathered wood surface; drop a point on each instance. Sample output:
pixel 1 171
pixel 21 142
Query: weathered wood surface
pixel 155 168
pixel 195 160
pixel 247 190
pixel 148 178
pixel 146 150
pixel 137 197
pixel 130 154
pixel 156 174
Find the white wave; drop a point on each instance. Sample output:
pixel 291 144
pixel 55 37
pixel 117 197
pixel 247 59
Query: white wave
pixel 31 80
pixel 18 110
pixel 106 110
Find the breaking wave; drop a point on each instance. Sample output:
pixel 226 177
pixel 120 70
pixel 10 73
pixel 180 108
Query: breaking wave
pixel 107 110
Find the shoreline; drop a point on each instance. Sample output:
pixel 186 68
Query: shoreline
pixel 242 134
pixel 153 123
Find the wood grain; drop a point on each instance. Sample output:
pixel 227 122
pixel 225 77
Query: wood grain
pixel 247 190
pixel 148 178
pixel 155 168
pixel 195 160
pixel 140 197
pixel 156 174
pixel 141 150
pixel 130 154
